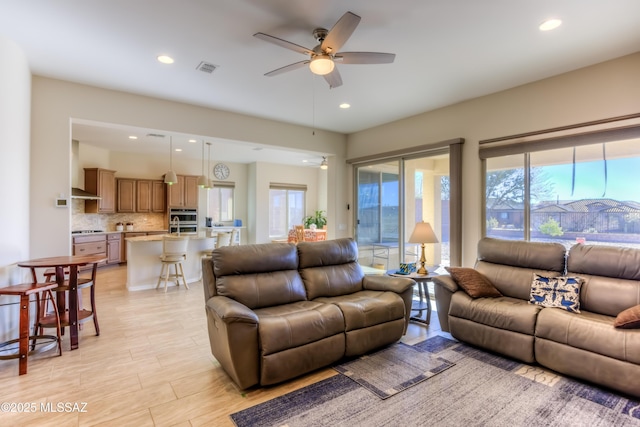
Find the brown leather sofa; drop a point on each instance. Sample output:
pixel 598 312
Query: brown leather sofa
pixel 585 345
pixel 278 310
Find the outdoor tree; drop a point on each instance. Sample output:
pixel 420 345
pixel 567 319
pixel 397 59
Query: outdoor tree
pixel 507 186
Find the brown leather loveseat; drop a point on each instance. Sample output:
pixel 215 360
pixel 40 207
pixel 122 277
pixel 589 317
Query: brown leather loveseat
pixel 277 310
pixel 585 345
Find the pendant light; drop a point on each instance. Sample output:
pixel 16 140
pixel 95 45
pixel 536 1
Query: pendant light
pixel 203 182
pixel 170 177
pixel 209 184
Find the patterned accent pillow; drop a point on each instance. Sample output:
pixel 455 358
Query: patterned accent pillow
pixel 561 292
pixel 629 318
pixel 474 283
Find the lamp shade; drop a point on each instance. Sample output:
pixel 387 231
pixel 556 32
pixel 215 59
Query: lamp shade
pixel 321 65
pixel 423 233
pixel 203 182
pixel 170 178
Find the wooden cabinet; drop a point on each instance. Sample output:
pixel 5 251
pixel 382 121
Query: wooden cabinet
pixel 143 196
pixel 184 193
pixel 90 245
pixel 114 241
pixel 191 191
pixel 158 197
pixel 126 195
pixel 103 183
pixel 140 195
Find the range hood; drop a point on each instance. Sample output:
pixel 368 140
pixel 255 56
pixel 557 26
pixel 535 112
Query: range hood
pixel 77 193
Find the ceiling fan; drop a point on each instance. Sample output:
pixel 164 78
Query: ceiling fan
pixel 323 57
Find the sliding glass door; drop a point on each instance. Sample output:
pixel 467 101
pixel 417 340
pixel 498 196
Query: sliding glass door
pixel 393 196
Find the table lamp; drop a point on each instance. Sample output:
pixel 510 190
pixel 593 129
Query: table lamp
pixel 423 233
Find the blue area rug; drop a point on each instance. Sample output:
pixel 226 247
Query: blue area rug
pixel 482 389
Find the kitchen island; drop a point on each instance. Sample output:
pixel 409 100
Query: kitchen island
pixel 143 259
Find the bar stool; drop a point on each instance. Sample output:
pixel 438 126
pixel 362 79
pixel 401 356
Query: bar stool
pixel 24 291
pixel 83 314
pixel 174 252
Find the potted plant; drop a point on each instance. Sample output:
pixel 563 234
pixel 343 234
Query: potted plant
pixel 317 220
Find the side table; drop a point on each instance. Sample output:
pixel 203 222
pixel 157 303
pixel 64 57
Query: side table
pixel 423 291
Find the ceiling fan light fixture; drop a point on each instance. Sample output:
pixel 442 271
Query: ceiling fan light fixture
pixel 324 165
pixel 321 65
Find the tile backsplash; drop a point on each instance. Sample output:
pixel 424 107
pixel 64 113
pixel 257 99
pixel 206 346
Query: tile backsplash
pixel 107 222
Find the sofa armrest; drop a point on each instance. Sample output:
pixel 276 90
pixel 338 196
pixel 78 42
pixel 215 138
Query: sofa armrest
pixel 229 310
pixel 233 336
pixel 446 282
pixel 387 283
pixel 444 287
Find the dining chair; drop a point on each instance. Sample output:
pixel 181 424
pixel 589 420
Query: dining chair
pixel 299 233
pixel 223 239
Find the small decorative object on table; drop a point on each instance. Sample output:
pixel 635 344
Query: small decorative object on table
pixel 407 268
pixel 318 219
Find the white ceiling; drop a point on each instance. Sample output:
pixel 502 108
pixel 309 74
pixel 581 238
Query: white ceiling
pixel 446 51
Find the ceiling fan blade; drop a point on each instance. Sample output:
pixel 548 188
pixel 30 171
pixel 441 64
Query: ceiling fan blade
pixel 286 68
pixel 340 32
pixel 364 58
pixel 333 78
pixel 283 43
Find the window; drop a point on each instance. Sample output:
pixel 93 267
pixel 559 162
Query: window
pixel 566 190
pixel 221 202
pixel 286 208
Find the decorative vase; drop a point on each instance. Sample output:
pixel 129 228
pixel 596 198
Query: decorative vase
pixel 313 226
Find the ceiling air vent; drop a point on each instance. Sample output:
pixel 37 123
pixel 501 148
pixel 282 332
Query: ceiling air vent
pixel 206 67
pixel 156 135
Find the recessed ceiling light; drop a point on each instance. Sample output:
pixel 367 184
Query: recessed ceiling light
pixel 133 137
pixel 305 161
pixel 178 149
pixel 192 140
pixel 550 24
pixel 165 59
pixel 345 105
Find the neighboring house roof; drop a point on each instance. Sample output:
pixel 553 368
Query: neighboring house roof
pixel 588 205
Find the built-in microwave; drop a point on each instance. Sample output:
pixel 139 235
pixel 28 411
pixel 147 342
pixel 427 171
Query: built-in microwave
pixel 183 220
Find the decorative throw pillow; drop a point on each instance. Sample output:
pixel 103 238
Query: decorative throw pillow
pixel 629 318
pixel 473 282
pixel 561 292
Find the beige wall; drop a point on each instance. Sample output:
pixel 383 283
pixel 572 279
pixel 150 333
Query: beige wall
pixel 601 91
pixel 55 103
pixel 15 104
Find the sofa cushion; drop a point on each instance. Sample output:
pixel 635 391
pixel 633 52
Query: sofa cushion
pixel 258 275
pixel 293 325
pixel 509 264
pixel 589 331
pixel 367 308
pixel 473 282
pixel 629 318
pixel 507 313
pixel 561 292
pixel 611 277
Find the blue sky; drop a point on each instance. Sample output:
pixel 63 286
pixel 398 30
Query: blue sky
pixel 623 180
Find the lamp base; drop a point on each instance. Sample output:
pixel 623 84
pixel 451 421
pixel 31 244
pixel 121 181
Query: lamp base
pixel 422 271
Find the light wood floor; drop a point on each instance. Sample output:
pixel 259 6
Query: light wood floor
pixel 151 365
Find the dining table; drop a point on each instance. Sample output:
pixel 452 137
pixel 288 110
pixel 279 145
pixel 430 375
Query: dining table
pixel 71 263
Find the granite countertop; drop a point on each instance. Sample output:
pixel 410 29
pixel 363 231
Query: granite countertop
pixel 159 237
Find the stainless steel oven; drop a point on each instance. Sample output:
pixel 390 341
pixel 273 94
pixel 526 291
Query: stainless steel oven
pixel 183 220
